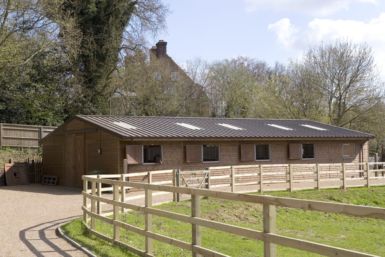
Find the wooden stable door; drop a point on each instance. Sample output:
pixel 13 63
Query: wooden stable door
pixel 74 160
pixel 78 157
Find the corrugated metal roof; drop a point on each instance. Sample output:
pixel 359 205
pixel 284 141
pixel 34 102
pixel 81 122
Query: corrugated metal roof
pixel 167 127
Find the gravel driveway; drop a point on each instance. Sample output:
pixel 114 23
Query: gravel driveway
pixel 29 216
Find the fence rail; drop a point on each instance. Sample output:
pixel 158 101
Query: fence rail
pixel 93 198
pixel 18 135
pixel 264 178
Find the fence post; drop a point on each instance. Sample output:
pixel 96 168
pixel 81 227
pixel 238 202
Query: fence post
pixel 177 180
pixel 232 179
pixel 260 178
pixel 1 134
pixel 40 133
pixel 98 206
pixel 85 191
pixel 318 176
pixel 174 184
pixel 93 203
pixel 148 217
pixel 269 226
pixel 125 167
pixel 196 233
pixel 208 178
pixel 343 176
pixel 290 178
pixel 116 211
pixel 122 191
pixel 368 174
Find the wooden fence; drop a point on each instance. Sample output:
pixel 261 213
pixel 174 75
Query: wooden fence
pixel 269 177
pixel 17 135
pixel 92 199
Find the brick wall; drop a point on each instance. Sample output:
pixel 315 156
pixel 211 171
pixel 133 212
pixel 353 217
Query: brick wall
pixel 229 154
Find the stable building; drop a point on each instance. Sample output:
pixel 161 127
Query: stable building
pixel 95 144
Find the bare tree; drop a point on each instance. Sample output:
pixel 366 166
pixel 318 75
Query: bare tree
pixel 346 75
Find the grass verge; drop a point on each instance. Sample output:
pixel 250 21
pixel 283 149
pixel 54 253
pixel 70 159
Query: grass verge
pixel 361 234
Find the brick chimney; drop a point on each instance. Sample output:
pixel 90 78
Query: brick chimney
pixel 161 48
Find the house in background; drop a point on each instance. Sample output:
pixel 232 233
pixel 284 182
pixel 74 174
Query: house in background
pixel 99 144
pixel 176 75
pixel 154 84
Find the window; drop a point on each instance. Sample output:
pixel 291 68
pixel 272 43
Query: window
pixel 174 76
pixel 152 154
pixel 279 127
pixel 189 126
pixel 157 76
pixel 348 150
pixel 210 153
pixel 229 126
pixel 307 151
pixel 262 152
pixel 313 127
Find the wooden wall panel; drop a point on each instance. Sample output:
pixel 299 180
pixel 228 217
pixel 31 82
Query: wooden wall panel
pixel 193 153
pixel 247 152
pixel 295 151
pixel 134 154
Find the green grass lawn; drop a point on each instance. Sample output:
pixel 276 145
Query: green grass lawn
pixel 361 234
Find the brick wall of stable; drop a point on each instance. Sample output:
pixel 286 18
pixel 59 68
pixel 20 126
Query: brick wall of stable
pixel 173 154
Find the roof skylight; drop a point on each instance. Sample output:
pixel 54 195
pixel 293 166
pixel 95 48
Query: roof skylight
pixel 189 126
pixel 279 127
pixel 124 125
pixel 230 126
pixel 313 127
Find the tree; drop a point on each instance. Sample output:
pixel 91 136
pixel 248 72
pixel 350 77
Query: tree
pixel 296 92
pixel 93 32
pixel 345 75
pixel 235 87
pixel 31 66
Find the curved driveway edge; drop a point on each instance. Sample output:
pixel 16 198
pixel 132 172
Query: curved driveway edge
pixel 73 242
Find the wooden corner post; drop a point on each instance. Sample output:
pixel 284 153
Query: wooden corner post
pixel 85 191
pixel 148 217
pixel 99 186
pixel 196 232
pixel 93 203
pixel 269 226
pixel 116 212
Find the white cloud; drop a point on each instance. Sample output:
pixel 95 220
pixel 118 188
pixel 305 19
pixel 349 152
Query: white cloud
pixel 319 30
pixel 285 31
pixel 311 7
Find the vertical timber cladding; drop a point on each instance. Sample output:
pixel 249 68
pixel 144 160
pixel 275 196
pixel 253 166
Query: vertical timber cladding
pixel 54 154
pixel 88 150
pixel 101 155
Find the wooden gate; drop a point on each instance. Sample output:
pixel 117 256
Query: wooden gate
pixel 194 179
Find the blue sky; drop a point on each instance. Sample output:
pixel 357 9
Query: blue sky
pixel 269 30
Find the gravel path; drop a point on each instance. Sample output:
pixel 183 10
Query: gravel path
pixel 29 216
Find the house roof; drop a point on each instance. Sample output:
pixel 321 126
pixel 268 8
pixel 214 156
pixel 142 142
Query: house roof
pixel 218 128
